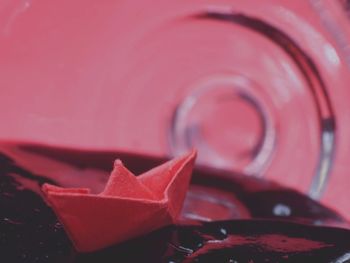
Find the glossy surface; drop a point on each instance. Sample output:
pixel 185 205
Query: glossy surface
pixel 262 221
pixel 257 241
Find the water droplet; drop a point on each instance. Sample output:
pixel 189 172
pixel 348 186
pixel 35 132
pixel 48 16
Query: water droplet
pixel 282 210
pixel 223 231
pixel 199 245
pixel 11 221
pixel 58 226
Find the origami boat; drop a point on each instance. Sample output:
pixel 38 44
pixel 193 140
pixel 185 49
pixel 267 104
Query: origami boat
pixel 128 207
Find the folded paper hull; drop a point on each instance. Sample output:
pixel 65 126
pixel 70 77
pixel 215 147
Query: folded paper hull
pixel 128 207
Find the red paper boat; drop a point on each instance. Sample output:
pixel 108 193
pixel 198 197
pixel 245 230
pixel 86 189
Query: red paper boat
pixel 128 207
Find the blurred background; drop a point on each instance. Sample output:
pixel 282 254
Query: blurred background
pixel 258 87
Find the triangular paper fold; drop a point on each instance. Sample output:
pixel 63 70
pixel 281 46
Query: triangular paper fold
pixel 124 183
pixel 128 207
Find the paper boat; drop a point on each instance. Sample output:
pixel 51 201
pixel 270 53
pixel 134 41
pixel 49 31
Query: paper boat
pixel 128 207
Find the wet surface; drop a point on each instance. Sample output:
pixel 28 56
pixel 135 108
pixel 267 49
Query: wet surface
pixel 247 220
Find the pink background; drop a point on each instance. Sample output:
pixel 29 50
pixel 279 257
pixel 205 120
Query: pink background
pixel 68 75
